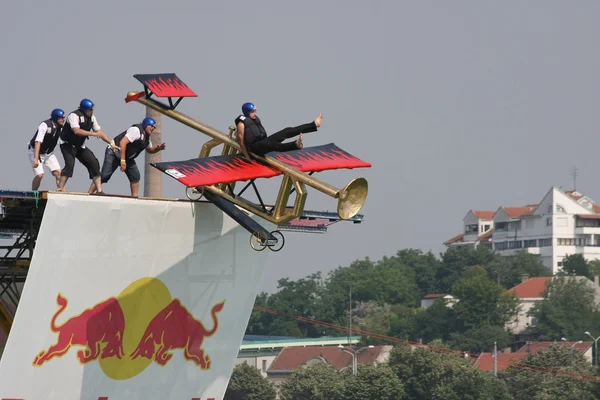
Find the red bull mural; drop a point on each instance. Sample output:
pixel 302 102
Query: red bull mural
pixel 100 331
pixel 176 328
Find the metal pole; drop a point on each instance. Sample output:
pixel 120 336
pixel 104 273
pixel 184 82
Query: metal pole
pixel 152 176
pixel 350 332
pixel 596 350
pixel 495 360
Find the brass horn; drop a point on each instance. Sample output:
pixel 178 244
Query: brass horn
pixel 350 199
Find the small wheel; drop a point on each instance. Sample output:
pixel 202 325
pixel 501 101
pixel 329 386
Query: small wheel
pixel 258 243
pixel 280 241
pixel 193 193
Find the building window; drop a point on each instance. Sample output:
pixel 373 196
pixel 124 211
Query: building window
pixel 514 226
pixel 469 229
pixel 515 244
pixel 560 209
pixel 549 221
pixel 530 243
pixel 545 242
pixel 501 246
pixel 501 226
pixel 264 365
pixel 550 209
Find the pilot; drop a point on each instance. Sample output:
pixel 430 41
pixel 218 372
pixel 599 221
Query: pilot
pixel 81 124
pixel 253 136
pixel 132 143
pixel 41 147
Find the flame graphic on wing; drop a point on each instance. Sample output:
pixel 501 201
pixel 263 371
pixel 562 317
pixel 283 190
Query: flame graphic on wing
pixel 226 169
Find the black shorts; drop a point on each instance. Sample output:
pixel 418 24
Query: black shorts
pixel 85 156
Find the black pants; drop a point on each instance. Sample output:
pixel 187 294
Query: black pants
pixel 85 156
pixel 112 162
pixel 274 142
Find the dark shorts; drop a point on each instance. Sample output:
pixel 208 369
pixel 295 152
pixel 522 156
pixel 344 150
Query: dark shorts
pixel 85 156
pixel 112 162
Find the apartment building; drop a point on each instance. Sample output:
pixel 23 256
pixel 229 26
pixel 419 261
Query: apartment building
pixel 561 224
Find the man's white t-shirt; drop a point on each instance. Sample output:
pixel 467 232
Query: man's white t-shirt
pixel 133 133
pixel 73 120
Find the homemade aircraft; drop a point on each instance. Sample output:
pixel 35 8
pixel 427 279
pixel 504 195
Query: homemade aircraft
pixel 214 177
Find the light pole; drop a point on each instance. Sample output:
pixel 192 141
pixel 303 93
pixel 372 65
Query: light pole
pixel 595 347
pixel 573 345
pixel 354 353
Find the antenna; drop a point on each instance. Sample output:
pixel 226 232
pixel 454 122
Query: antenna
pixel 574 173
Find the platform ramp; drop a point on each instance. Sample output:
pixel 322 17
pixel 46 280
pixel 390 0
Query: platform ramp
pixel 131 299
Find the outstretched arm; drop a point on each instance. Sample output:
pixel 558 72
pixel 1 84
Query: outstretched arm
pixel 240 136
pixel 156 148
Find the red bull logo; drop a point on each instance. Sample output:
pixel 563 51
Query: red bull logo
pixel 140 326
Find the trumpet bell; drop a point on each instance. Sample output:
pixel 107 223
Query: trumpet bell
pixel 352 198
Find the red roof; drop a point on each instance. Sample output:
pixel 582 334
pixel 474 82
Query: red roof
pixel 291 358
pixel 531 288
pixel 588 216
pixel 571 193
pixel 484 214
pixel 535 347
pixel 515 212
pixel 485 361
pixel 455 239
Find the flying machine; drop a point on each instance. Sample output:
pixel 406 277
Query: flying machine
pixel 214 177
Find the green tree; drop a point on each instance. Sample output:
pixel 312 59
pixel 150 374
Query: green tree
pixel 575 264
pixel 594 266
pixel 377 382
pixel 508 271
pixel 439 373
pixel 455 260
pixel 438 321
pixel 481 339
pixel 247 383
pixel 303 298
pixel 482 302
pixel 316 382
pixel 568 309
pixel 538 377
pixel 425 267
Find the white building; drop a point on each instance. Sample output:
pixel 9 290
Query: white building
pixel 561 224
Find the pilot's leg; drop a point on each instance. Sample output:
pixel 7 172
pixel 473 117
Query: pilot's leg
pixel 267 145
pixel 291 132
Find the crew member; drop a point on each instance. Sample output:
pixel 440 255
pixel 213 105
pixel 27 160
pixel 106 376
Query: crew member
pixel 132 143
pixel 253 136
pixel 80 125
pixel 41 147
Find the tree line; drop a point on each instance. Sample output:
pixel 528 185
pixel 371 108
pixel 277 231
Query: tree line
pixel 427 374
pixel 386 296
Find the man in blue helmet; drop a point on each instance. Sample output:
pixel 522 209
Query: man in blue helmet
pixel 41 147
pixel 81 124
pixel 131 143
pixel 253 137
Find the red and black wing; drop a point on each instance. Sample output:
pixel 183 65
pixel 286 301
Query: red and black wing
pixel 226 169
pixel 165 85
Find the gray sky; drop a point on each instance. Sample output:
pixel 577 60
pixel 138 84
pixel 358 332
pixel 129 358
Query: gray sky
pixel 458 105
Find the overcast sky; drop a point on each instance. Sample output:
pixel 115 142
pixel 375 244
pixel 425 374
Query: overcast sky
pixel 458 105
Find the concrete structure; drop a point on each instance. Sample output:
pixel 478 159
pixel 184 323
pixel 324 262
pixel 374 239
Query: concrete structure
pixel 561 224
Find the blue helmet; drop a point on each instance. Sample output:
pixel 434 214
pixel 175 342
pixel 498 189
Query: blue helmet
pixel 247 108
pixel 148 121
pixel 56 114
pixel 86 104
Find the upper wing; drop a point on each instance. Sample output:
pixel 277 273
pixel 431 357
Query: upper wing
pixel 226 169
